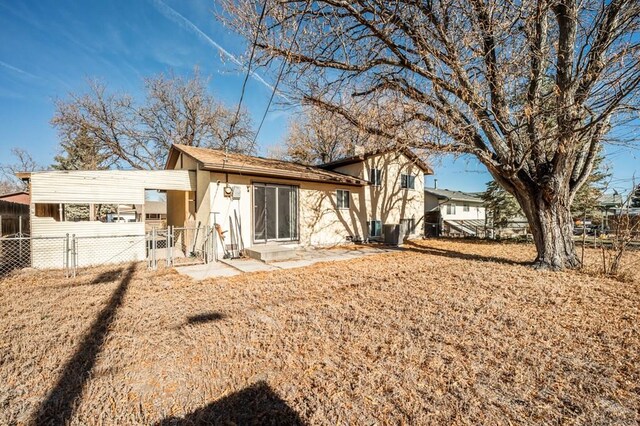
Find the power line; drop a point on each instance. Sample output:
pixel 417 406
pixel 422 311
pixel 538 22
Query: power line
pixel 246 77
pixel 275 87
pixel 284 62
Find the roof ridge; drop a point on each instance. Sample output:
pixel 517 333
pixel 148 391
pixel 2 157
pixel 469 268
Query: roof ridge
pixel 215 158
pixel 249 155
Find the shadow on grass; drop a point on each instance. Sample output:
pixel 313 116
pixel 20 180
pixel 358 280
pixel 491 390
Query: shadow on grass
pixel 61 402
pixel 205 318
pixel 104 278
pixel 107 276
pixel 410 246
pixel 257 404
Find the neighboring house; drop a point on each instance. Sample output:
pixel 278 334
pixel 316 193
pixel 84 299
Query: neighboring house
pixel 155 214
pixel 612 207
pixel 284 202
pixel 454 213
pixel 21 197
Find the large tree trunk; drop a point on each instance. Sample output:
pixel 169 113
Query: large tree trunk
pixel 552 228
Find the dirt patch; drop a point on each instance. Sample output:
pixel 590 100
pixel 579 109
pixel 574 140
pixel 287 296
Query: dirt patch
pixel 444 332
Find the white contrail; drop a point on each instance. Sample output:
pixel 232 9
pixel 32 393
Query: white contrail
pixel 17 70
pixel 176 17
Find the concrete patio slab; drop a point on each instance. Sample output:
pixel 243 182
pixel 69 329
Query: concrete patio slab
pixel 303 257
pixel 249 265
pixel 291 264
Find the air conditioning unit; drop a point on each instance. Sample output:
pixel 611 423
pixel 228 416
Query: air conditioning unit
pixel 394 233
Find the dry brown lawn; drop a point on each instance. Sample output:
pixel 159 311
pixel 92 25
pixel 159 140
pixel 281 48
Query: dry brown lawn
pixel 443 333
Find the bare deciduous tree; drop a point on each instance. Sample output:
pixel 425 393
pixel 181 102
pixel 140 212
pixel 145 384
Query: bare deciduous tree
pixel 319 136
pixel 175 110
pixel 23 163
pixel 529 88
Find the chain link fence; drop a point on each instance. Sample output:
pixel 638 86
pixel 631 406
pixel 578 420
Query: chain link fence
pixel 165 247
pixel 17 252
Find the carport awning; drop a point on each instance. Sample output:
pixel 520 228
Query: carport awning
pixel 105 186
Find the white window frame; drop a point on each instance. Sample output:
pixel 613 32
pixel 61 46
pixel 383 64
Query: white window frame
pixel 405 179
pixel 340 200
pixel 451 208
pixel 465 207
pixel 369 223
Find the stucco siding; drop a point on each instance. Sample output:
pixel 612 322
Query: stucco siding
pixel 389 202
pixel 319 221
pixel 322 223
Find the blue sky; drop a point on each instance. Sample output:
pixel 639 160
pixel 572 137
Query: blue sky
pixel 49 48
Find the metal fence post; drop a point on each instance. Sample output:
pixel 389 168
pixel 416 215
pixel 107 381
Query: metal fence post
pixel 75 255
pixel 147 248
pixel 20 237
pixel 168 258
pixel 65 256
pixel 172 244
pixel 207 244
pixel 154 247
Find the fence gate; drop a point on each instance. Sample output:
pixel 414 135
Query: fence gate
pixel 176 246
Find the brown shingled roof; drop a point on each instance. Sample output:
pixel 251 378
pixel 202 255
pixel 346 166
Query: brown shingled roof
pixel 357 158
pixel 218 161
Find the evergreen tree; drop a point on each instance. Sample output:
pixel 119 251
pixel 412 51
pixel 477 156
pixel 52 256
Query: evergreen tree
pixel 502 206
pixel 81 152
pixel 585 203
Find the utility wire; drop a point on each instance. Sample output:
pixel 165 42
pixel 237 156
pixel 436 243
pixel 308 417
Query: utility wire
pixel 246 77
pixel 284 62
pixel 281 71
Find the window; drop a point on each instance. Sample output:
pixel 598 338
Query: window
pixel 409 225
pixel 451 209
pixel 407 181
pixel 342 199
pixel 375 228
pixel 375 177
pixel 465 207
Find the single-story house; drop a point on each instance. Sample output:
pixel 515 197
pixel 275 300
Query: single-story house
pixel 454 213
pixel 261 201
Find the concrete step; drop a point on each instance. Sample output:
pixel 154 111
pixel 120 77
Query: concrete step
pixel 271 253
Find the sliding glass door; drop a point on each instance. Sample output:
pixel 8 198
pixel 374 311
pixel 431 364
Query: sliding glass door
pixel 275 212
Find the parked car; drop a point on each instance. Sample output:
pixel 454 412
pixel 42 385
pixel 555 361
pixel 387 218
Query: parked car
pixel 579 230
